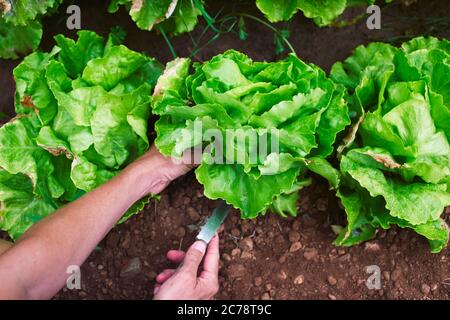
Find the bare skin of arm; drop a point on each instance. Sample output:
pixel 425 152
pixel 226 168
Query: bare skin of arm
pixel 35 267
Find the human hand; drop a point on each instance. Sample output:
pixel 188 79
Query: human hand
pixel 158 170
pixel 184 283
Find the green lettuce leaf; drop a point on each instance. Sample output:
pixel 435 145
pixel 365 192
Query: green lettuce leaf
pixel 20 26
pixel 396 168
pixel 174 16
pixel 82 117
pixel 323 12
pixel 245 106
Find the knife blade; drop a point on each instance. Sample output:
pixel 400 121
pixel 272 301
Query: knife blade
pixel 214 222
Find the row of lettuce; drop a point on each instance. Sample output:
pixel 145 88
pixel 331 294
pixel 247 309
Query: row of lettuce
pixel 21 27
pixel 377 129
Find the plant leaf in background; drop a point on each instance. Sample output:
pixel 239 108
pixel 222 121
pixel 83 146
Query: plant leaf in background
pixel 323 12
pixel 20 26
pixel 288 100
pixel 82 117
pixel 174 16
pixel 397 171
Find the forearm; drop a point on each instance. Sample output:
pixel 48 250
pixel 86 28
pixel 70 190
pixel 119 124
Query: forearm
pixel 40 259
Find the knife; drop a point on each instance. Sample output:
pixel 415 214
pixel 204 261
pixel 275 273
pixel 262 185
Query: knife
pixel 214 222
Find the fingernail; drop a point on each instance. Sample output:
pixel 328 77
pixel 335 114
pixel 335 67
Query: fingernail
pixel 199 246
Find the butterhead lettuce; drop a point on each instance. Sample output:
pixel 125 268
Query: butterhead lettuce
pixel 289 101
pixel 82 112
pixel 20 26
pixel 396 170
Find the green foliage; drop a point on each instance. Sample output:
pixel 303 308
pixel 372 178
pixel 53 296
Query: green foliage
pixel 174 16
pixel 289 101
pixel 397 171
pixel 20 26
pixel 323 12
pixel 82 117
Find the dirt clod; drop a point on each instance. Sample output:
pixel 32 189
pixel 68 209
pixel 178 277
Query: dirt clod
pixel 310 254
pixel 282 275
pixel 132 268
pixel 299 279
pixel 294 236
pixel 295 246
pixel 331 280
pixel 257 281
pixel 265 296
pixel 246 244
pixel 425 289
pixel 236 271
pixel 193 214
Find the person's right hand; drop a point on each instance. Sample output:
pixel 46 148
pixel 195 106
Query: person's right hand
pixel 184 283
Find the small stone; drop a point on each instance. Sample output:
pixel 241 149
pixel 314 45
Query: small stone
pixel 82 294
pixel 246 244
pixel 282 259
pixel 331 280
pixel 345 258
pixel 246 255
pixel 396 274
pixel 282 275
pixel 332 297
pixel 100 267
pixel 268 286
pixel 265 296
pixel 257 281
pixel 425 289
pixel 434 287
pixel 294 236
pixel 193 214
pixel 310 254
pixel 295 246
pixel 226 257
pixel 235 232
pixel 236 252
pixel 132 268
pixel 236 271
pixel 372 247
pixel 299 279
pixel 386 275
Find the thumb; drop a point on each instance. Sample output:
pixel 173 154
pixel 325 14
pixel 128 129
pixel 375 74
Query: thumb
pixel 194 257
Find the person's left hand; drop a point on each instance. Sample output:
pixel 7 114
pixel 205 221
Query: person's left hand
pixel 159 170
pixel 184 283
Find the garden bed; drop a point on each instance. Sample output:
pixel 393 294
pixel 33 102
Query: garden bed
pixel 270 257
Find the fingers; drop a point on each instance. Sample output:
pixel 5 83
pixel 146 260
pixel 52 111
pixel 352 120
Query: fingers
pixel 176 256
pixel 211 263
pixel 194 257
pixel 164 276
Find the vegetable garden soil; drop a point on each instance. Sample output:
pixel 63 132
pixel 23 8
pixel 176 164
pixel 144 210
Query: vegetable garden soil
pixel 270 257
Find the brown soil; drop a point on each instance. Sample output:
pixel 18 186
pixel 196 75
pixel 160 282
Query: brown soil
pixel 269 257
